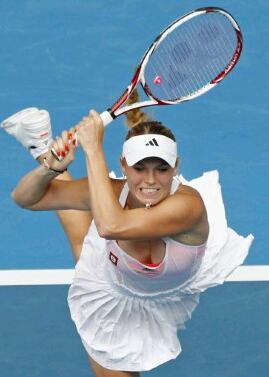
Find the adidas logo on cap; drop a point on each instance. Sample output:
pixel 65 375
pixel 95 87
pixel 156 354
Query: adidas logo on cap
pixel 152 142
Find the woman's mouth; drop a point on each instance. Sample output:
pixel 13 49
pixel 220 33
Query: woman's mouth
pixel 149 191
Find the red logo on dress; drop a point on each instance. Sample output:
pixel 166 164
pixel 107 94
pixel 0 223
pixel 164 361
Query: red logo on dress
pixel 114 259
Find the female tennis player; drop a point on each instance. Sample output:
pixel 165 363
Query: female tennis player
pixel 156 241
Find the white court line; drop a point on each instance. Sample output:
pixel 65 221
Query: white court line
pixel 60 277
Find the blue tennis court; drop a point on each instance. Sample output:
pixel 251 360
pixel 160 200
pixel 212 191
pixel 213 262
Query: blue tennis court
pixel 71 56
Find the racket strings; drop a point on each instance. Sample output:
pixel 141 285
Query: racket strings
pixel 205 56
pixel 211 57
pixel 227 47
pixel 206 52
pixel 191 56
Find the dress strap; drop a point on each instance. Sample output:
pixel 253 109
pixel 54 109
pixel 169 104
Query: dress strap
pixel 175 184
pixel 124 194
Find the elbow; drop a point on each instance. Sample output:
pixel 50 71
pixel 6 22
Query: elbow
pixel 106 231
pixel 15 197
pixel 111 227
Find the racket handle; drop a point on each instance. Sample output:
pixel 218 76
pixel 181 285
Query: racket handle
pixel 106 117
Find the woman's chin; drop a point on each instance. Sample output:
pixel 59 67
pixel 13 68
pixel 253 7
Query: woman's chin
pixel 149 199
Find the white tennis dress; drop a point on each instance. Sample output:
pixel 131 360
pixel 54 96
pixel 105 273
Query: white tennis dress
pixel 128 313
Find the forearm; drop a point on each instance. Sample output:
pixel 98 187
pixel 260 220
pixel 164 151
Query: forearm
pixel 104 203
pixel 33 186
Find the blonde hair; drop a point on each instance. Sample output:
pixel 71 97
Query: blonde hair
pixel 136 116
pixel 139 123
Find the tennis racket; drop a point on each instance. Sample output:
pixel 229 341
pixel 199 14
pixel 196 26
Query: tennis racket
pixel 191 56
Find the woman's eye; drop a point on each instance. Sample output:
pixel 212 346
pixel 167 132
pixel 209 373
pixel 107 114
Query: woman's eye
pixel 138 168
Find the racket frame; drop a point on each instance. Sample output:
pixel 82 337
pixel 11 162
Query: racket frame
pixel 117 108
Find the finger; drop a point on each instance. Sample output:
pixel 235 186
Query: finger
pixel 55 154
pixel 72 137
pixel 71 133
pixel 61 146
pixel 64 137
pixel 71 153
pixel 55 151
pixel 60 149
pixel 93 113
pixel 59 153
pixel 65 141
pixel 86 119
pixel 75 140
pixel 72 143
pixel 81 124
pixel 96 116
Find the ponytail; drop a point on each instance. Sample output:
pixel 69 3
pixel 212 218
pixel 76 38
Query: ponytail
pixel 139 123
pixel 136 116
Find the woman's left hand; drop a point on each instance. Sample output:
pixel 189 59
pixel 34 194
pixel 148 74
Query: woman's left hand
pixel 90 132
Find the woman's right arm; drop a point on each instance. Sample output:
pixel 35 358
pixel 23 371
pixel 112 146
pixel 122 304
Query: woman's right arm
pixel 38 190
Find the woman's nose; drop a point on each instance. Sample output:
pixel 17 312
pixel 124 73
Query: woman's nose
pixel 150 177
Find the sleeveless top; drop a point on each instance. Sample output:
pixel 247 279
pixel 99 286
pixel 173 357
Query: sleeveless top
pixel 122 326
pixel 179 264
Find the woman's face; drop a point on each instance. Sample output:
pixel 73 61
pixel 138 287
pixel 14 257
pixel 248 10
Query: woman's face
pixel 149 181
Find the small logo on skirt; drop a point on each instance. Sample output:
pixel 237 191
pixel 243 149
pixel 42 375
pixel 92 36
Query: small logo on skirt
pixel 113 258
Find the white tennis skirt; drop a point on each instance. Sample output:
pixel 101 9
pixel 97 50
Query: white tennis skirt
pixel 123 329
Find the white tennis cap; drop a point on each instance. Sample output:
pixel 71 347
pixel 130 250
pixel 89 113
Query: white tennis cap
pixel 150 145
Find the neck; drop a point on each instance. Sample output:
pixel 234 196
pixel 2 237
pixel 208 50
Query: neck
pixel 132 202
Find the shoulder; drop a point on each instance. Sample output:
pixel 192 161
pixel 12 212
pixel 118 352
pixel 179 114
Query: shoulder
pixel 190 196
pixel 189 201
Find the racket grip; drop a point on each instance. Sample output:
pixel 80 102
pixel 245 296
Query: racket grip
pixel 106 117
pixel 60 158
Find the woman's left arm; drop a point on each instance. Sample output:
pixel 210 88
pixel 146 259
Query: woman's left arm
pixel 177 213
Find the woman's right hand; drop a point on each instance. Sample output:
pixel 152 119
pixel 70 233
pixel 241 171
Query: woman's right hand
pixel 65 148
